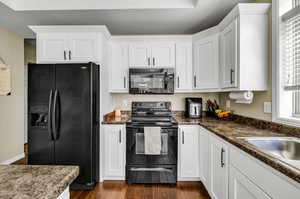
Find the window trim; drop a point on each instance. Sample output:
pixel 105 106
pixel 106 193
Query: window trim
pixel 276 68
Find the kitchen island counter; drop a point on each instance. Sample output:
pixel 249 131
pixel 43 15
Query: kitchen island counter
pixel 35 182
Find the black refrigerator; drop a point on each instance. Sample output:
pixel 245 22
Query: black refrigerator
pixel 63 114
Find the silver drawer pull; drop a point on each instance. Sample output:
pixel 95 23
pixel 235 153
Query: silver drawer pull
pixel 151 169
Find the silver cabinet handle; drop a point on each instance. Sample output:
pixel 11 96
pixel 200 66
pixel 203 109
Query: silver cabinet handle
pixel 178 82
pixel 231 76
pixel 153 60
pixel 148 61
pixel 124 82
pixel 182 137
pixel 70 55
pixel 120 136
pixel 65 55
pixel 222 158
pixel 195 83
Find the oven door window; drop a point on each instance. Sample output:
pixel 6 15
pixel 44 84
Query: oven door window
pixel 140 144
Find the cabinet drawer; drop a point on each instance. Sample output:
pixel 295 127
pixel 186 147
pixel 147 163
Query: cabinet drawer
pixel 257 172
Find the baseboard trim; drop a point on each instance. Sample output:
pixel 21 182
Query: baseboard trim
pixel 113 178
pixel 14 159
pixel 187 179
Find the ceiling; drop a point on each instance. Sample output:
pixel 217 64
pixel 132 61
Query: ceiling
pixel 123 21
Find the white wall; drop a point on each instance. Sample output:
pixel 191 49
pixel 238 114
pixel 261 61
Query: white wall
pixel 12 107
pixel 29 57
pixel 123 101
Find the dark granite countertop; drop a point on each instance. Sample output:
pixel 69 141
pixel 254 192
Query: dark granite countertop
pixel 240 126
pixel 231 130
pixel 110 118
pixel 35 182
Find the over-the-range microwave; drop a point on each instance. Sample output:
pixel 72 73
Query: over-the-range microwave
pixel 151 81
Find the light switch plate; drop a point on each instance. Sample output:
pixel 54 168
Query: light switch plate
pixel 267 107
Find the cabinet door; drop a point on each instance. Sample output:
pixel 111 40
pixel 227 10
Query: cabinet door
pixel 189 151
pixel 241 187
pixel 114 150
pixel 229 64
pixel 219 169
pixel 204 157
pixel 163 55
pixel 119 68
pixel 139 55
pixel 206 65
pixel 183 67
pixel 83 47
pixel 52 48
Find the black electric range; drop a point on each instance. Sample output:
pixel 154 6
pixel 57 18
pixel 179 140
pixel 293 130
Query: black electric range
pixel 150 169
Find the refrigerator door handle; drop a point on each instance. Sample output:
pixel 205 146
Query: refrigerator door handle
pixel 50 115
pixel 56 115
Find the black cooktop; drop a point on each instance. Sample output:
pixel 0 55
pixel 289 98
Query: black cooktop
pixel 151 114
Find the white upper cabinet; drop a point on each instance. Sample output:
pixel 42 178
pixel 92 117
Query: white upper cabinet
pixel 119 68
pixel 144 54
pixel 69 44
pixel 218 169
pixel 189 164
pixel 163 55
pixel 244 48
pixel 206 63
pixel 184 56
pixel 229 55
pixel 139 54
pixel 52 48
pixel 68 47
pixel 83 47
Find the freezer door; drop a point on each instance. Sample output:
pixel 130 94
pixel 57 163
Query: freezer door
pixel 40 142
pixel 73 126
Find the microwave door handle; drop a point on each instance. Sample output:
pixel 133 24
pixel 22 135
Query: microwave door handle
pixel 166 81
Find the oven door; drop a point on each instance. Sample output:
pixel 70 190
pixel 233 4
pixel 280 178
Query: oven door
pixel 135 152
pixel 151 81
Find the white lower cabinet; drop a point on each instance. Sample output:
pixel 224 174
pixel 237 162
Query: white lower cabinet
pixel 204 157
pixel 226 171
pixel 218 168
pixel 233 174
pixel 261 180
pixel 188 152
pixel 114 152
pixel 241 187
pixel 65 194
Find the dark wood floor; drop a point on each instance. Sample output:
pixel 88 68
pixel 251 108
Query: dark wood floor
pixel 120 190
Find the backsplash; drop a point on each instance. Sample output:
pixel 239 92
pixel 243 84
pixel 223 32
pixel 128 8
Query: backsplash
pixel 123 101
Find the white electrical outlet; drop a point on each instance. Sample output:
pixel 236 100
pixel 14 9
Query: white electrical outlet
pixel 267 107
pixel 227 103
pixel 125 103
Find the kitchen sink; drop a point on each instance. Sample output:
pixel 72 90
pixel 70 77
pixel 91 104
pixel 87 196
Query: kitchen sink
pixel 287 149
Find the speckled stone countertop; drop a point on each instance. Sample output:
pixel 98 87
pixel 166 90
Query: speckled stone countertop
pixel 239 126
pixel 110 118
pixel 231 130
pixel 35 182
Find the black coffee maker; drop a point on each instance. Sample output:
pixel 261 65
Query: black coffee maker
pixel 193 108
